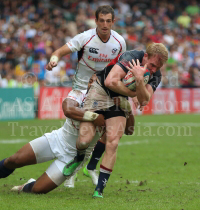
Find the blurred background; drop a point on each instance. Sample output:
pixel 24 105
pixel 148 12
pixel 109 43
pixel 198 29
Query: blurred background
pixel 30 30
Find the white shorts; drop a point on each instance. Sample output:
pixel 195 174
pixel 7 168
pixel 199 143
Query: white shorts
pixel 48 147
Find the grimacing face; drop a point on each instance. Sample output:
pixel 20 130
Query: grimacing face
pixel 153 63
pixel 104 24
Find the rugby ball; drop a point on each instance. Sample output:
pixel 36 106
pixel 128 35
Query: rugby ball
pixel 129 80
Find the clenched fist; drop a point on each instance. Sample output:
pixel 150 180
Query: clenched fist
pixel 52 63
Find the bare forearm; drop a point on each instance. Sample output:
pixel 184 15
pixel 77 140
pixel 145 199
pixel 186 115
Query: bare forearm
pixel 64 50
pixel 119 87
pixel 74 113
pixel 142 93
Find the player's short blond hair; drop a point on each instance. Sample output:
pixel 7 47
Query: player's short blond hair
pixel 158 49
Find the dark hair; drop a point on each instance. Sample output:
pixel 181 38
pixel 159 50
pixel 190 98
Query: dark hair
pixel 105 9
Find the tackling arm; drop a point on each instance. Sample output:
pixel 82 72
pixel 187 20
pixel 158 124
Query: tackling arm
pixel 124 104
pixel 130 123
pixel 71 110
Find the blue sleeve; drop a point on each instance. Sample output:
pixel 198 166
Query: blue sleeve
pixel 127 56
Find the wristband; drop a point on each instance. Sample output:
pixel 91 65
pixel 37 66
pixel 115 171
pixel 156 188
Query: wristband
pixel 54 58
pixel 90 116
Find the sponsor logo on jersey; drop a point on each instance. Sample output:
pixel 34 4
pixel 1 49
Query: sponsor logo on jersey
pixel 93 50
pixel 99 59
pixel 114 50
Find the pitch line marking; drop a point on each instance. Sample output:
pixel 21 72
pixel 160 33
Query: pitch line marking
pixel 169 124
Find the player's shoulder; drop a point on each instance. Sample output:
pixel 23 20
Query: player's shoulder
pixel 134 54
pixel 90 33
pixel 137 53
pixel 77 92
pixel 117 36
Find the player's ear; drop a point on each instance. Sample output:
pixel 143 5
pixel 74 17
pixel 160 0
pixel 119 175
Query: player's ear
pixel 145 55
pixel 96 21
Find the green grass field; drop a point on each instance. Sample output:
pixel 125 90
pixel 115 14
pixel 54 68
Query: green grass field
pixel 157 168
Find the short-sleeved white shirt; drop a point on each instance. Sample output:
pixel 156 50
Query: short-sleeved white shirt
pixel 93 54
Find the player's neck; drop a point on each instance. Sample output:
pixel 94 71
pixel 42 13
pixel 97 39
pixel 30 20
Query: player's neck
pixel 104 38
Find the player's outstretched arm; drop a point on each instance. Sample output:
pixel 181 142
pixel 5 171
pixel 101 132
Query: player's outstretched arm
pixel 57 55
pixel 71 110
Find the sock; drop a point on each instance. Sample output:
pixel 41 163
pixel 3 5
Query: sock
pixel 103 178
pixel 4 172
pixel 28 187
pixel 96 155
pixel 80 155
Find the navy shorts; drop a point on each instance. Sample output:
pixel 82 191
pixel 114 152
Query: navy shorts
pixel 113 111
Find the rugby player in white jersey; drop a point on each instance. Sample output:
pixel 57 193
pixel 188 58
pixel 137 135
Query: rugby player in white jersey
pixel 96 48
pixel 59 144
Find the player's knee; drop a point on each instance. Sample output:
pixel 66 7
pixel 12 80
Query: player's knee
pixel 82 145
pixel 84 140
pixel 14 160
pixel 112 145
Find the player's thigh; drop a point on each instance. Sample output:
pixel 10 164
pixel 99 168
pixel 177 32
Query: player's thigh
pixel 42 149
pixel 115 127
pixel 25 156
pixel 87 131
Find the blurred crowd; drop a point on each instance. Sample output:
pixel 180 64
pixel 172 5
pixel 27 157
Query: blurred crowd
pixel 31 30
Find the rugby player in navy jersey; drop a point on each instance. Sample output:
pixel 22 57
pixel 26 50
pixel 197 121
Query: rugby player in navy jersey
pixel 100 99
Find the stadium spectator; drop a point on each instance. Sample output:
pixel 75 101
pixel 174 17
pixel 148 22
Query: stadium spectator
pixel 193 8
pixel 184 19
pixel 29 25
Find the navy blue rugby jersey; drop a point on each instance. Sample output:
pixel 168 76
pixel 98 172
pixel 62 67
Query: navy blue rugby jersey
pixel 122 60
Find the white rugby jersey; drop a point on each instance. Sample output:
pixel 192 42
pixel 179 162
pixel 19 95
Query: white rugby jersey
pixel 93 54
pixel 69 132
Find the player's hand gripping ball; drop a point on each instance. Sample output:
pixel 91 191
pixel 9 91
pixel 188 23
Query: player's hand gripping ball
pixel 129 80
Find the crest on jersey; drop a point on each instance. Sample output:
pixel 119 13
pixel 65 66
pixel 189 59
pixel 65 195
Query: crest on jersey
pixel 95 104
pixel 114 50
